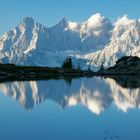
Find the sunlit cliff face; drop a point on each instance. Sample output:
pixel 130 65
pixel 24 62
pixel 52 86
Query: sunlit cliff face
pixel 95 94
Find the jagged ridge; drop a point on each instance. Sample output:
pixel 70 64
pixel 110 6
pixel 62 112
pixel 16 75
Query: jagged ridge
pixel 95 41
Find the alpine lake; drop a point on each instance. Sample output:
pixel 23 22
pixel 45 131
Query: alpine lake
pixel 94 108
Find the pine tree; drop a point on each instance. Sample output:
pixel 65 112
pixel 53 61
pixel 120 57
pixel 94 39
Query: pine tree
pixel 89 68
pixel 67 63
pixel 102 67
pixel 78 67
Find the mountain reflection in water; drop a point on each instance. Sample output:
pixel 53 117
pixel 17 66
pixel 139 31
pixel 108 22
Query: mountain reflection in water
pixel 96 94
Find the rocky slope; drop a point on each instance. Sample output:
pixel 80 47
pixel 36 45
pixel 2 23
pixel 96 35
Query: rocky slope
pixel 126 65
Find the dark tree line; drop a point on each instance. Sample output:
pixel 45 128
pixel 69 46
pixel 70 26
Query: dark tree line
pixel 67 64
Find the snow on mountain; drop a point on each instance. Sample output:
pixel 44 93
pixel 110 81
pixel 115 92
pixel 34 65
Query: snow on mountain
pixel 95 33
pixel 17 43
pixel 92 42
pixel 125 40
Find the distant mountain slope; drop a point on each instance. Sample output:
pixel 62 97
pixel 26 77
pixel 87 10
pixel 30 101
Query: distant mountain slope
pixel 95 41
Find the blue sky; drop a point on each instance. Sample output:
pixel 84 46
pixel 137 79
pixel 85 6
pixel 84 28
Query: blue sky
pixel 49 12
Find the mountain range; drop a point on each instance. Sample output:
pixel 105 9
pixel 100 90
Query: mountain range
pixel 93 42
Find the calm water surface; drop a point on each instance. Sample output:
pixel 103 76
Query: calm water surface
pixel 78 109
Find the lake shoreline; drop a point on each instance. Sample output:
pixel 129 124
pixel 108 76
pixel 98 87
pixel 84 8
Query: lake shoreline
pixel 11 72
